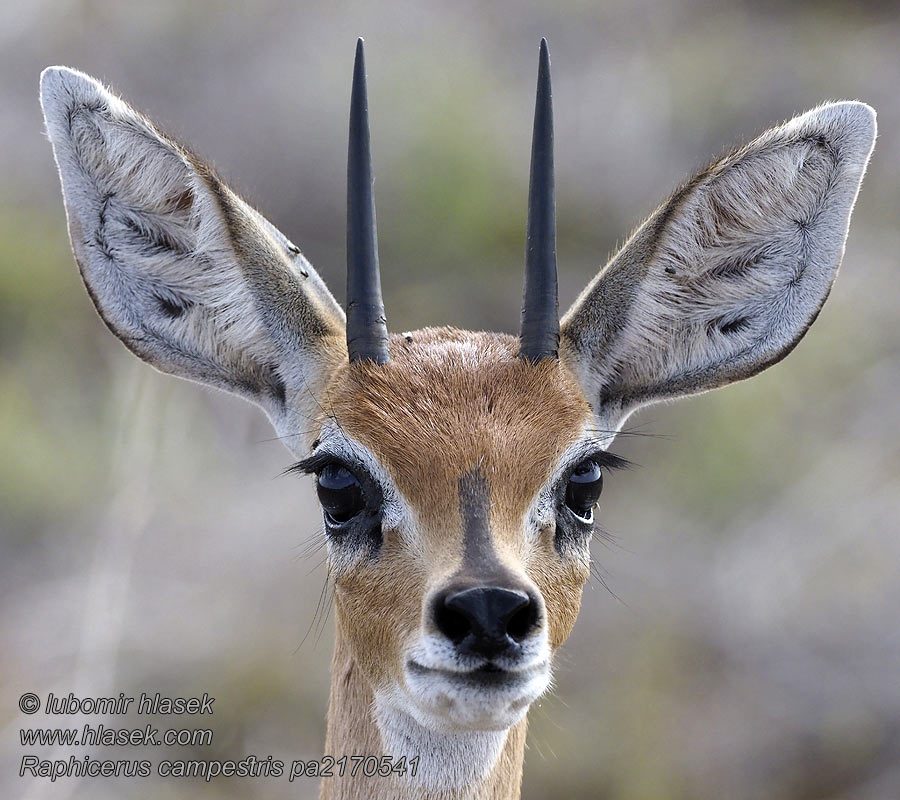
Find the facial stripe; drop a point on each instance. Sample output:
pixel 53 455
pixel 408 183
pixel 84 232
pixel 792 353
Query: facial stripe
pixel 479 557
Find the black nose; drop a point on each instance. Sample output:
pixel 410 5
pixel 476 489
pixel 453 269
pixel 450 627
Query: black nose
pixel 485 620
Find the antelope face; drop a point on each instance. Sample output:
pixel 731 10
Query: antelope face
pixel 458 483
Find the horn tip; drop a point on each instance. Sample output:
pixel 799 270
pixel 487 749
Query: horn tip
pixel 358 90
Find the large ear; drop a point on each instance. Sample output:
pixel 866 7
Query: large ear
pixel 725 278
pixel 184 272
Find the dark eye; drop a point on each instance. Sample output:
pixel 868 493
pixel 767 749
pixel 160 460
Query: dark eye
pixel 584 488
pixel 339 493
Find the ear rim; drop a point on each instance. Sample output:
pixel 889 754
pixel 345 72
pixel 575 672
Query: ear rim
pixel 62 91
pixel 601 306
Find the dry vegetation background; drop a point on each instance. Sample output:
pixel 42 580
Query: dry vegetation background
pixel 148 542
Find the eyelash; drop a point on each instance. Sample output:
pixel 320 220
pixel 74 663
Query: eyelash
pixel 608 462
pixel 314 464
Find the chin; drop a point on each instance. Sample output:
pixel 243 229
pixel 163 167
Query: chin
pixel 481 699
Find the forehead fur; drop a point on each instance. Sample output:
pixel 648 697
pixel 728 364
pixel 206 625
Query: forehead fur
pixel 451 400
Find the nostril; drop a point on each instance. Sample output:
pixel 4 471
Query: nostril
pixel 487 620
pixel 454 625
pixel 523 621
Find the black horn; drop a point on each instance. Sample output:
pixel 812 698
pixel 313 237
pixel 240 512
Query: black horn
pixel 367 336
pixel 539 336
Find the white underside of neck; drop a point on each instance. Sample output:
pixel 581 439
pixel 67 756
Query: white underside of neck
pixel 447 759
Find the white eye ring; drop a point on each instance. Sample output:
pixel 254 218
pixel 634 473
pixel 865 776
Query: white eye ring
pixel 588 520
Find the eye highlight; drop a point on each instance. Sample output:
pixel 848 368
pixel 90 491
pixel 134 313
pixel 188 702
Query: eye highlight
pixel 583 489
pixel 340 494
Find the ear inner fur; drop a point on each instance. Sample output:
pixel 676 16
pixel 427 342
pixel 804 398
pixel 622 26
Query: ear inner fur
pixel 726 277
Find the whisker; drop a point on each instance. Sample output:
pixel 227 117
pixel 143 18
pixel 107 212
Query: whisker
pixel 598 575
pixel 605 537
pixel 311 545
pixel 330 602
pixel 614 434
pixel 318 565
pixel 319 606
pixel 308 432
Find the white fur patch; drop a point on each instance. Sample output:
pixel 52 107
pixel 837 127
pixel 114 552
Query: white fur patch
pixel 443 692
pixel 447 759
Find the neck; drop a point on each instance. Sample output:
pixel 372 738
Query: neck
pixel 451 766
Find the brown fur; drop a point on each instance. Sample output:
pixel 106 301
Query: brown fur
pixel 446 402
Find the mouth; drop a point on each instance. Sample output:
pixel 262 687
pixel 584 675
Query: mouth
pixel 486 697
pixel 487 676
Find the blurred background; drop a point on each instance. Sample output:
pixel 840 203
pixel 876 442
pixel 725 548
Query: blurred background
pixel 749 643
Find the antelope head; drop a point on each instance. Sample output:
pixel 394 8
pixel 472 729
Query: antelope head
pixel 458 472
